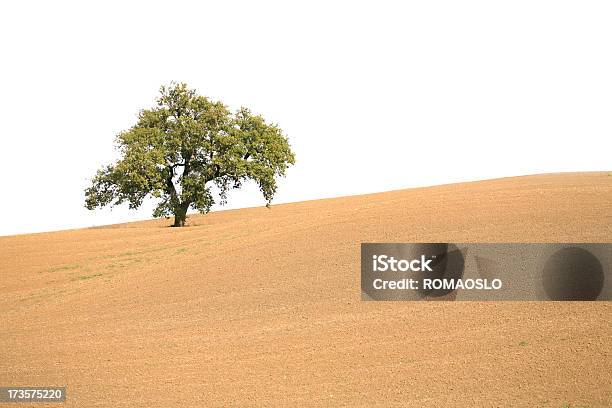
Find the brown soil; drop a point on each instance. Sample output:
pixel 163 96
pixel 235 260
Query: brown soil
pixel 261 307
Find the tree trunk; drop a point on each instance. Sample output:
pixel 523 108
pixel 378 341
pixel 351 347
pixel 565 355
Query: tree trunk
pixel 179 220
pixel 180 215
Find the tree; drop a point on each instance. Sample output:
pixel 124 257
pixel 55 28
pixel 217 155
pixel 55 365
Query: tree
pixel 182 147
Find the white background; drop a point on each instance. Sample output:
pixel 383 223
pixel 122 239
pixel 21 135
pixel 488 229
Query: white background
pixel 373 96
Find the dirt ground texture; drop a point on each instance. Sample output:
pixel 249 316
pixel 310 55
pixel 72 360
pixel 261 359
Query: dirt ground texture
pixel 260 307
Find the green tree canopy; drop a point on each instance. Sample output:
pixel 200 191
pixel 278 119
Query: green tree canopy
pixel 182 147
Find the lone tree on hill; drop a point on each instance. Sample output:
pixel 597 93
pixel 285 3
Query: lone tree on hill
pixel 181 147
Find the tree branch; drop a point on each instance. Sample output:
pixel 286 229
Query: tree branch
pixel 170 184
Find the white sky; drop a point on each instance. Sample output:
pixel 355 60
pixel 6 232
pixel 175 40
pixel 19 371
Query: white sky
pixel 373 96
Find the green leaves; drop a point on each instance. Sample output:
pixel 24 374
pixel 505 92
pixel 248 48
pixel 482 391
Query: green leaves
pixel 182 146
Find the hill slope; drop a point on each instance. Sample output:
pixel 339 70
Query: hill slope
pixel 262 307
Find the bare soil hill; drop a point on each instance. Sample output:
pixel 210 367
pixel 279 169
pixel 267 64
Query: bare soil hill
pixel 261 307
